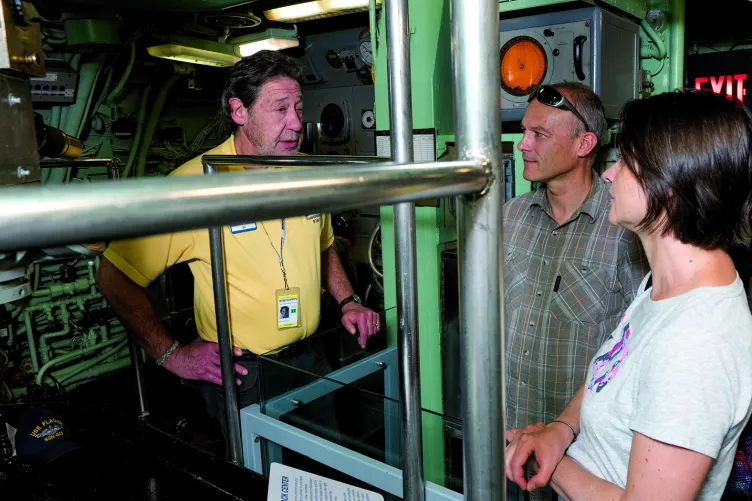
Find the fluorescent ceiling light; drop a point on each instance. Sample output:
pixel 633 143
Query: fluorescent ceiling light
pixel 316 9
pixel 196 51
pixel 270 39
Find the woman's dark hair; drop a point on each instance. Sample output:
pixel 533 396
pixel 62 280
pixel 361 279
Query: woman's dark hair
pixel 692 153
pixel 250 73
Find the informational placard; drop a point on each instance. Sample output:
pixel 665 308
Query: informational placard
pixel 291 484
pixel 424 144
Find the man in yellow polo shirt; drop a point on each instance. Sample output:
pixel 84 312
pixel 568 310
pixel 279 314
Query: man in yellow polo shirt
pixel 271 265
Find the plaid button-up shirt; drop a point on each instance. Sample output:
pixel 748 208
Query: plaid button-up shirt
pixel 565 288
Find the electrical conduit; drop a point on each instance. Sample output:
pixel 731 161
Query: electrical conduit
pixel 68 372
pixel 94 372
pixel 139 132
pixel 151 125
pixel 90 71
pixel 127 73
pixel 73 356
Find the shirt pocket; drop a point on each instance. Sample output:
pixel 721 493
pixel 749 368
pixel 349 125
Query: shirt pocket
pixel 584 291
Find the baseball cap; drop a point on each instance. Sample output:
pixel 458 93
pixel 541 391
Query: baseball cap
pixel 43 436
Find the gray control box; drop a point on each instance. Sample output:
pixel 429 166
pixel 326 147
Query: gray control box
pixel 58 86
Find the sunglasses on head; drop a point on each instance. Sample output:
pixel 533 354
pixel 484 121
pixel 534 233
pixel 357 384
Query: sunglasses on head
pixel 549 96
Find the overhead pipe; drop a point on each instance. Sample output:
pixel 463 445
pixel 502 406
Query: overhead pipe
pixel 140 122
pixel 115 93
pixel 32 217
pixel 477 119
pixel 676 60
pixel 89 74
pixel 151 125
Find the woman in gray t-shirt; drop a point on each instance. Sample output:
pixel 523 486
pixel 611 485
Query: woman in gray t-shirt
pixel 668 394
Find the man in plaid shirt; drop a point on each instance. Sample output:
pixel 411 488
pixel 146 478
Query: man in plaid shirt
pixel 568 274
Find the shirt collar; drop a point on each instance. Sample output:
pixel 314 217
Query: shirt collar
pixel 591 206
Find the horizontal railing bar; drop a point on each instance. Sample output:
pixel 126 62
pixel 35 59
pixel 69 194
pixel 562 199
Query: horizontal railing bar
pixel 300 160
pixel 42 216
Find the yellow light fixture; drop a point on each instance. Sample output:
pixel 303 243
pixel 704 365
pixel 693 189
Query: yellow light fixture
pixel 270 39
pixel 316 10
pixel 196 51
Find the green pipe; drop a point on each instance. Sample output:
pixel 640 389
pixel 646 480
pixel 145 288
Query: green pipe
pixel 139 132
pixel 92 109
pixel 657 52
pixel 68 288
pixel 55 116
pixel 37 273
pixel 57 345
pixel 43 346
pixel 127 73
pixel 372 27
pixel 676 61
pixel 151 125
pixel 66 358
pixel 30 338
pixel 88 75
pixel 61 302
pixel 94 372
pixel 67 373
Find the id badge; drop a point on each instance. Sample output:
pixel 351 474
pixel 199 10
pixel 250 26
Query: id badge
pixel 288 308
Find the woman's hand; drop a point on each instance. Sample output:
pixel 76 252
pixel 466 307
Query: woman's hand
pixel 543 444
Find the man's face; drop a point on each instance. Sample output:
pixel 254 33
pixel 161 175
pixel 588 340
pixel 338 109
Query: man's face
pixel 547 150
pixel 273 125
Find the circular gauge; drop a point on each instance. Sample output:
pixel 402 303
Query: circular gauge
pixel 367 120
pixel 523 65
pixel 364 48
pixel 332 120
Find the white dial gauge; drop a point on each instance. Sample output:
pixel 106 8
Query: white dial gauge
pixel 365 52
pixel 367 119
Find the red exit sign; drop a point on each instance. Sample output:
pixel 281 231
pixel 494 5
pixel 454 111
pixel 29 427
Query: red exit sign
pixel 731 85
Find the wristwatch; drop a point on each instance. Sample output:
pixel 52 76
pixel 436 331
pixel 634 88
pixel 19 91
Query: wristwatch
pixel 350 299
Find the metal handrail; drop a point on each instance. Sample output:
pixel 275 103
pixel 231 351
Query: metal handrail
pixel 32 217
pixel 397 22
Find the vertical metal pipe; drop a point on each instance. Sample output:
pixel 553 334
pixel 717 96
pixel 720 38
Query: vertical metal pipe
pixel 401 119
pixel 134 350
pixel 138 376
pixel 676 57
pixel 475 47
pixel 216 247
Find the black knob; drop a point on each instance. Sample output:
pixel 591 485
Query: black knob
pixel 556 52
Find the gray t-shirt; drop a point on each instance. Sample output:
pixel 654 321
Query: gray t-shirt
pixel 678 371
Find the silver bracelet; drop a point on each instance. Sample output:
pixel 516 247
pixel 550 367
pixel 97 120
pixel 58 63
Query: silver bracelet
pixel 161 360
pixel 567 425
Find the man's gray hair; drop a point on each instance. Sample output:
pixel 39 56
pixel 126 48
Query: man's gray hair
pixel 590 107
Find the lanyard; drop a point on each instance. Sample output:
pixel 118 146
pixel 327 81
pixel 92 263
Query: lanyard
pixel 281 251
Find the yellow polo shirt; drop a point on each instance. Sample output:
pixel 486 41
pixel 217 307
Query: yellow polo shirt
pixel 253 272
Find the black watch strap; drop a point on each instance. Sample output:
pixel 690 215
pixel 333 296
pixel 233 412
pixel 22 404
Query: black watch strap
pixel 350 299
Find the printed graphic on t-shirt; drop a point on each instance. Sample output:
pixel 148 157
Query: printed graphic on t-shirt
pixel 606 366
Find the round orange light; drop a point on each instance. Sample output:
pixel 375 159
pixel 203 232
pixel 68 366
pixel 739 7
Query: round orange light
pixel 523 65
